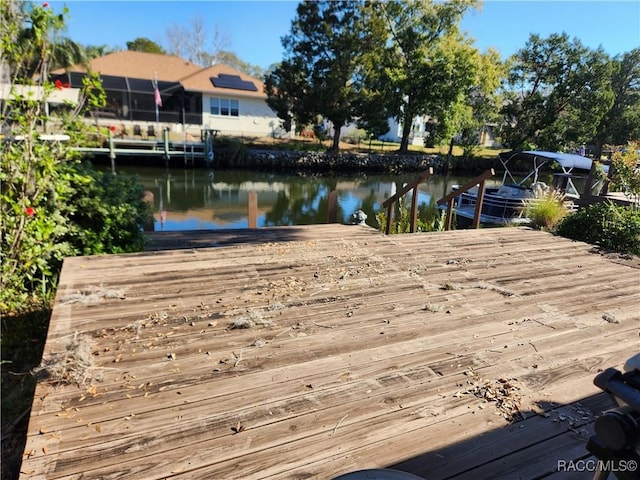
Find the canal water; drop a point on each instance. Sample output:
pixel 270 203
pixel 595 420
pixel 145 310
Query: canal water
pixel 197 199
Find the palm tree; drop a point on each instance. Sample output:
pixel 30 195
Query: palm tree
pixel 65 53
pixel 96 51
pixel 35 48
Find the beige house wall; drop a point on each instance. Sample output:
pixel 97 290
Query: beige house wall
pixel 255 118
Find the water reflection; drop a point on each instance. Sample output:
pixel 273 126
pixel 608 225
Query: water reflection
pixel 186 199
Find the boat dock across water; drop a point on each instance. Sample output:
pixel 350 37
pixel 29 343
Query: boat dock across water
pixel 162 151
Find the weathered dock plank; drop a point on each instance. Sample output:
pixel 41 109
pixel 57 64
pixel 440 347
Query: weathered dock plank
pixel 308 352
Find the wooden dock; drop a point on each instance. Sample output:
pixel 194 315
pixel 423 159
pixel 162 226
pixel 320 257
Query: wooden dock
pixel 328 349
pixel 177 153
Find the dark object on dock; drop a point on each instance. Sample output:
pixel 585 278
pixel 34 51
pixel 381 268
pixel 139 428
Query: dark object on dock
pixel 378 474
pixel 358 218
pixel 151 132
pixel 137 131
pixel 617 439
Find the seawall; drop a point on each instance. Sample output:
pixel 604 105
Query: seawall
pixel 280 160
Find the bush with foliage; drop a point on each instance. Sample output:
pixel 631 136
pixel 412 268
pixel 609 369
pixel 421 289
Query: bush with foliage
pixel 107 214
pixel 235 150
pixel 50 205
pixel 430 218
pixel 611 227
pixel 355 137
pixel 625 175
pixel 546 209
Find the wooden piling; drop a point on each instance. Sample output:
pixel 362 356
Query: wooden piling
pixel 252 200
pixel 332 209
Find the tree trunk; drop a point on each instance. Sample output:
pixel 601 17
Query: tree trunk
pixel 336 137
pixel 407 121
pixel 406 130
pixel 450 152
pixel 597 150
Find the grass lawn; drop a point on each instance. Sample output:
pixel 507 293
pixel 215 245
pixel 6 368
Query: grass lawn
pixel 376 146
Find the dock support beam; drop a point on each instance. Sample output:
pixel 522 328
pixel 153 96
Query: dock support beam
pixel 165 144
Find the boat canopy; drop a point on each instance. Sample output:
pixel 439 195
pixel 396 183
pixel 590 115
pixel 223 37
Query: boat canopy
pixel 567 161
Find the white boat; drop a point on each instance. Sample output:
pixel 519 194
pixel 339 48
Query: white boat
pixel 504 205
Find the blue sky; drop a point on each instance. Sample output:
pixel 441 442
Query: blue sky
pixel 254 28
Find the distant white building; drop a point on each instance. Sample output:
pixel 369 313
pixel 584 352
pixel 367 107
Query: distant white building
pixel 416 137
pixel 419 132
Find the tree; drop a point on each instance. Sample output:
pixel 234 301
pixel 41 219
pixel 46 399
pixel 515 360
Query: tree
pixel 28 39
pixel 194 44
pixel 65 53
pixel 481 103
pixel 319 75
pixel 231 59
pixel 458 77
pixel 97 51
pixel 427 64
pixel 558 91
pixel 286 87
pixel 190 42
pixel 621 123
pixel 142 44
pixel 371 107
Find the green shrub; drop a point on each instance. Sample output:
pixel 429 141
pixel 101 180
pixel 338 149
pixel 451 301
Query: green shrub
pixel 235 148
pixel 107 214
pixel 626 174
pixel 52 209
pixel 546 210
pixel 50 205
pixel 611 227
pixel 355 137
pixel 430 218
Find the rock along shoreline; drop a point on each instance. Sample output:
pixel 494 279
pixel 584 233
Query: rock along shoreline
pixel 280 160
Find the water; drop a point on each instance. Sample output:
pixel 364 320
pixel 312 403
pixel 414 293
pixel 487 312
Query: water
pixel 195 199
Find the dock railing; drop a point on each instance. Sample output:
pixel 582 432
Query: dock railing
pixel 450 198
pixel 390 202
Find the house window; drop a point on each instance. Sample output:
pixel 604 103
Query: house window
pixel 224 106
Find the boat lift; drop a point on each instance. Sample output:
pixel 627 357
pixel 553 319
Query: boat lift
pixel 208 136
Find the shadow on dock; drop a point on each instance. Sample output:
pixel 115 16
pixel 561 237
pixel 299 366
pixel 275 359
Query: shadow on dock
pixel 547 442
pixel 159 241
